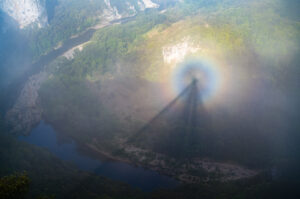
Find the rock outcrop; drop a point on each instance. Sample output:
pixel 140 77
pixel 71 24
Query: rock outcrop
pixel 26 112
pixel 25 12
pixel 128 8
pixel 150 4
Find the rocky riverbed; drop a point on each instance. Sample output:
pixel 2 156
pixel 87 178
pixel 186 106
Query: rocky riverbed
pixel 193 170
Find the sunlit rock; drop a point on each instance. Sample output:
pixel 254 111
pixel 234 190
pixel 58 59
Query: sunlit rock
pixel 150 4
pixel 174 54
pixel 25 12
pixel 111 12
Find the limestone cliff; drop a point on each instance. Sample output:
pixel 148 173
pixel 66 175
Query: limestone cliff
pixel 25 12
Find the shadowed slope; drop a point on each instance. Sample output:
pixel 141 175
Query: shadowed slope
pixel 181 129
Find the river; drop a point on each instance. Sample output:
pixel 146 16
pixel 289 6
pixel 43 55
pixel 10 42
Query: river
pixel 14 89
pixel 46 137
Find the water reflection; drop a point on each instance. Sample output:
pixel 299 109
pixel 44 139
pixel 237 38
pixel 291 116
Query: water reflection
pixel 45 136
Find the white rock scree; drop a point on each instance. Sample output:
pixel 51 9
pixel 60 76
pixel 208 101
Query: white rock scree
pixel 25 12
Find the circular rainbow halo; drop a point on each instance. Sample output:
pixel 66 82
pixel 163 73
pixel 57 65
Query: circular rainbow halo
pixel 205 72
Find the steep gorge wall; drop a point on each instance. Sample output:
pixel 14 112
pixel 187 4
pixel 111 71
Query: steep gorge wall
pixel 25 12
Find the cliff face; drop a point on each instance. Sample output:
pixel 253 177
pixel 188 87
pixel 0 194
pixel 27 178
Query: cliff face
pixel 119 9
pixel 27 112
pixel 28 12
pixel 25 12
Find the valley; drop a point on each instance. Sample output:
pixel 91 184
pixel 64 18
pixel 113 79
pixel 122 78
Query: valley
pixel 188 95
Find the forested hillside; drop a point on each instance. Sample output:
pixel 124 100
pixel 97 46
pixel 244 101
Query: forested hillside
pixel 232 32
pixel 130 91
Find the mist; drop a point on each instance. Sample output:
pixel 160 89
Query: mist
pixel 150 99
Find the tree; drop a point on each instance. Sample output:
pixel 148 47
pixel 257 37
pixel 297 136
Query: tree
pixel 14 186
